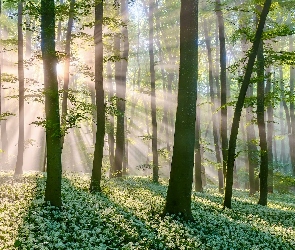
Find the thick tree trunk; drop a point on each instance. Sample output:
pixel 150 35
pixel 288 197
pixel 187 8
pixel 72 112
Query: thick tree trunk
pixel 223 127
pixel 121 91
pixel 53 133
pixel 100 107
pixel 153 93
pixel 67 71
pixel 21 99
pixel 261 127
pixel 213 108
pixel 239 106
pixel 178 200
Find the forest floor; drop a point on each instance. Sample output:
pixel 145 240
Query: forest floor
pixel 127 216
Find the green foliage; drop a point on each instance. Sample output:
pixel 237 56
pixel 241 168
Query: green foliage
pixel 283 182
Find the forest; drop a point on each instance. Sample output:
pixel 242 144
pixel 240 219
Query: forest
pixel 147 124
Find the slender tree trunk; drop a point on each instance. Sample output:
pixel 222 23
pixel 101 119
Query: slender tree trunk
pixel 111 138
pixel 153 93
pixel 67 71
pixel 21 100
pixel 239 106
pixel 28 37
pixel 198 159
pixel 58 37
pixel 223 128
pixel 261 127
pixel 282 104
pixel 270 129
pixel 54 168
pixel 121 91
pixel 292 111
pixel 252 149
pixel 100 107
pixel 178 200
pixel 213 108
pixel 4 140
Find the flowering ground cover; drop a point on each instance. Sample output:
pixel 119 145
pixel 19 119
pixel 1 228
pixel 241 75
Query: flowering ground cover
pixel 127 216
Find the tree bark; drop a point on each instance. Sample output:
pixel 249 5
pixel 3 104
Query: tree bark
pixel 223 92
pixel 261 127
pixel 100 106
pixel 67 71
pixel 21 98
pixel 178 200
pixel 121 91
pixel 153 93
pixel 53 133
pixel 239 106
pixel 213 108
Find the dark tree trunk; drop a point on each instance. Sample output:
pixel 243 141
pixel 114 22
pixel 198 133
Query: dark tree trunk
pixel 178 200
pixel 53 133
pixel 270 130
pixel 223 92
pixel 261 127
pixel 239 106
pixel 67 71
pixel 252 149
pixel 213 108
pixel 121 91
pixel 100 107
pixel 21 99
pixel 153 93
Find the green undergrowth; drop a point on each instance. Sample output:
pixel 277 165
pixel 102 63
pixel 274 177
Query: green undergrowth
pixel 127 216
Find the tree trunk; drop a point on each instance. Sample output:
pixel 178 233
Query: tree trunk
pixel 178 200
pixel 67 71
pixel 100 107
pixel 198 158
pixel 121 91
pixel 292 111
pixel 28 37
pixel 213 108
pixel 270 129
pixel 252 149
pixel 4 140
pixel 53 133
pixel 282 105
pixel 21 99
pixel 111 139
pixel 223 127
pixel 261 127
pixel 153 93
pixel 239 106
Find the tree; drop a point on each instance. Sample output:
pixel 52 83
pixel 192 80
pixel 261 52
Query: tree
pixel 21 100
pixel 240 103
pixel 53 133
pixel 223 90
pixel 261 127
pixel 153 93
pixel 178 200
pixel 100 107
pixel 120 76
pixel 67 69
